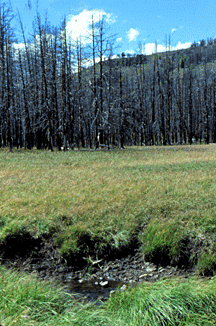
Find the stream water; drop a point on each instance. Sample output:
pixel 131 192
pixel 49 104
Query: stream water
pixel 90 291
pixel 46 263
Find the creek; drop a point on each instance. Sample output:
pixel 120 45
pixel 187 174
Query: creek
pixel 92 280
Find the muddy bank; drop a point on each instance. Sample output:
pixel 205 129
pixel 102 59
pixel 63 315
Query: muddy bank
pixel 90 278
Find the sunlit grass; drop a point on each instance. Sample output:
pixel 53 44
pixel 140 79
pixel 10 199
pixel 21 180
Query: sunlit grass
pixel 103 193
pixel 170 302
pixel 26 301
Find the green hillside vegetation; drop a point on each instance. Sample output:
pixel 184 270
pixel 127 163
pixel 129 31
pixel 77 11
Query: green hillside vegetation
pixel 191 57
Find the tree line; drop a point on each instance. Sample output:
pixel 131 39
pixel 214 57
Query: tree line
pixel 61 93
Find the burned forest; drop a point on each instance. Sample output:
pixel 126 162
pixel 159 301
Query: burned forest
pixel 56 92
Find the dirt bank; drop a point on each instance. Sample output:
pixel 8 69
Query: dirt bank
pixel 90 277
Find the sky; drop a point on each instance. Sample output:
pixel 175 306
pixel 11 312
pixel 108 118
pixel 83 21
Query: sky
pixel 135 25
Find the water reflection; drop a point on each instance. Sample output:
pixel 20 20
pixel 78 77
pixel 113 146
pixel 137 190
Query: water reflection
pixel 90 291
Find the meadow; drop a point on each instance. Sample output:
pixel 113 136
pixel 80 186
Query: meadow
pixel 94 202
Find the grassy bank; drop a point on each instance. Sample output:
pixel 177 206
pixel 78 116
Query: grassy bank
pixel 94 202
pixel 26 301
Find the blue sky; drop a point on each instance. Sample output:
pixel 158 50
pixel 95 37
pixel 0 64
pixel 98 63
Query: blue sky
pixel 135 22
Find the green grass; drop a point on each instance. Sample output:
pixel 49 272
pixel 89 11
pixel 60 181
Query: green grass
pixel 169 302
pixel 162 196
pixel 27 301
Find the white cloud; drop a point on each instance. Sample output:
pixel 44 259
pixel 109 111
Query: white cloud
pixel 114 56
pixel 129 51
pixel 181 46
pixel 173 30
pixel 110 18
pixel 89 62
pixel 161 48
pixel 119 39
pixel 132 34
pixel 19 46
pixel 36 42
pixel 150 47
pixel 80 25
